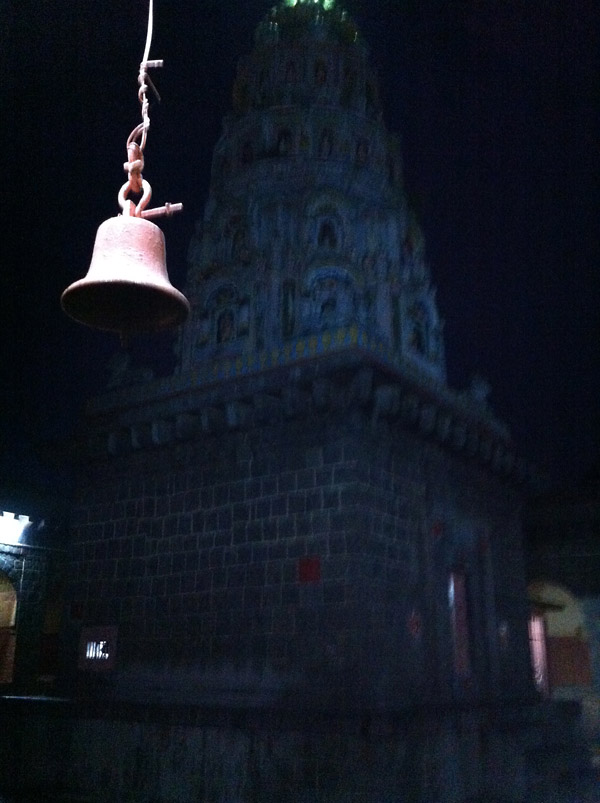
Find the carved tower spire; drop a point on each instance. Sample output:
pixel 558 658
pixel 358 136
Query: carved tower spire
pixel 307 243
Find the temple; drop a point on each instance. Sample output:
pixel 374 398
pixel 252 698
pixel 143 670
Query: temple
pixel 296 567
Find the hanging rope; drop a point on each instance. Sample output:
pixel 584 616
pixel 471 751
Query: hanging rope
pixel 145 82
pixel 134 165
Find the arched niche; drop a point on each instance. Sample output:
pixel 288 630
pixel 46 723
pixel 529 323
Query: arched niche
pixel 234 245
pixel 331 294
pixel 222 313
pixel 327 218
pixel 327 232
pixel 325 143
pixel 327 235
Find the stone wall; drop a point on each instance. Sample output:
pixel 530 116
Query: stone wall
pixel 276 554
pixel 300 558
pixel 154 754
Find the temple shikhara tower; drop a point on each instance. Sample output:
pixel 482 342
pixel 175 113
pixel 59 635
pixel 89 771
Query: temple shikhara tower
pixel 308 247
pixel 296 568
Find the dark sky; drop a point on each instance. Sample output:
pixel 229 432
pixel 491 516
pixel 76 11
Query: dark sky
pixel 497 105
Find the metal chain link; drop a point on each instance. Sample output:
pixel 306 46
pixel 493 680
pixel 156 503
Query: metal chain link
pixel 135 150
pixel 134 165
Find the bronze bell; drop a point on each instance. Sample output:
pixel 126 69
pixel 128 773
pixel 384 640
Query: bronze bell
pixel 127 288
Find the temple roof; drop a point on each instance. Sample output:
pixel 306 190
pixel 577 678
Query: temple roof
pixel 299 19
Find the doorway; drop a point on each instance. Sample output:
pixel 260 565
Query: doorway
pixel 8 618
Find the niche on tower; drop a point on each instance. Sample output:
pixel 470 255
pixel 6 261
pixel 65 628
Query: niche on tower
pixel 330 293
pixel 325 230
pixel 422 331
pixel 222 311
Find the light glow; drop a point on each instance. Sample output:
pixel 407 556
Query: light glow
pixel 539 658
pixel 457 601
pixel 13 527
pixel 97 651
pixel 327 4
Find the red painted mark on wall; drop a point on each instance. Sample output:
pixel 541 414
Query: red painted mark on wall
pixel 309 569
pixel 437 529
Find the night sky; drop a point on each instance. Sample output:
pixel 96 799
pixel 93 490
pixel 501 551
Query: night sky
pixel 497 104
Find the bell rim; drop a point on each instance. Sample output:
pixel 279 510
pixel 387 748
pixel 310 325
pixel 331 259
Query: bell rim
pixel 128 318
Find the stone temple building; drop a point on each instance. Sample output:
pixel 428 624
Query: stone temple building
pixel 296 564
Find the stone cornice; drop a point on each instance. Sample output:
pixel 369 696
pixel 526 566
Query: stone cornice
pixel 288 386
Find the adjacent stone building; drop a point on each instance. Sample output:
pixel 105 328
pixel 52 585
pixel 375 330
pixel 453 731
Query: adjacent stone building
pixel 30 596
pixel 296 568
pixel 562 530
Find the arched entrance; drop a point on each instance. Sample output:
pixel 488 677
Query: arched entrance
pixel 8 618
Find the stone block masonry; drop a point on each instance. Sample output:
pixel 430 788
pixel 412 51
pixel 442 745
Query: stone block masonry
pixel 299 560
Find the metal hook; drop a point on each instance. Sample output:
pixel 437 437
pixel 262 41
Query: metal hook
pixel 128 207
